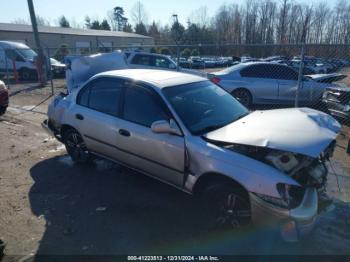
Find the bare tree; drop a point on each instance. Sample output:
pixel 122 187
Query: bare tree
pixel 200 17
pixel 138 14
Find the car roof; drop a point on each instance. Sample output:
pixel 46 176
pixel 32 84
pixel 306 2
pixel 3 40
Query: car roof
pixel 158 78
pixel 12 45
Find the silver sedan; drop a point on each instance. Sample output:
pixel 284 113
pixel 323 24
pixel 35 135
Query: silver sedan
pixel 265 167
pixel 267 83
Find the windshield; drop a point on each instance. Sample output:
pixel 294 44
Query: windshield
pixel 28 54
pixel 203 106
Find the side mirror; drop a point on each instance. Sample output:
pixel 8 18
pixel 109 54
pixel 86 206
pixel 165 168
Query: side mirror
pixel 166 127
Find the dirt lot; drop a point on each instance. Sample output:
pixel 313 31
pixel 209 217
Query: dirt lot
pixel 51 206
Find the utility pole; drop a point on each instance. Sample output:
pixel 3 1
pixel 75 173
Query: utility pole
pixel 176 21
pixel 40 63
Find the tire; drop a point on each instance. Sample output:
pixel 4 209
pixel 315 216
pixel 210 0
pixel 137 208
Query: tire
pixel 243 96
pixel 25 74
pixel 226 207
pixel 76 147
pixel 3 110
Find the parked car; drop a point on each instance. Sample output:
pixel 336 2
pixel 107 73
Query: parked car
pixel 267 83
pixel 258 167
pixel 145 60
pixel 183 62
pixel 337 100
pixel 196 62
pixel 4 98
pixel 58 69
pixel 19 57
pixel 317 69
pixel 209 62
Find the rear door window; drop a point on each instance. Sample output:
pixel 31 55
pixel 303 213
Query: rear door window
pixel 103 95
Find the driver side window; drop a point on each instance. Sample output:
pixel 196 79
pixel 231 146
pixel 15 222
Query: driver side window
pixel 142 107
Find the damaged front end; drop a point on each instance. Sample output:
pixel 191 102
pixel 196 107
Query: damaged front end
pixel 306 170
pixel 296 209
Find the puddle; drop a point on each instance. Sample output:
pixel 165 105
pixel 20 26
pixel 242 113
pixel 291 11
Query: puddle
pixel 66 160
pixel 104 165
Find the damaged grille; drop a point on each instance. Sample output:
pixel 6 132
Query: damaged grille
pixel 314 175
pixel 313 172
pixel 307 171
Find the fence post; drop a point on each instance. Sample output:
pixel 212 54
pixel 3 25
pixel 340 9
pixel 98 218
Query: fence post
pixel 300 76
pixel 178 57
pixel 50 70
pixel 7 70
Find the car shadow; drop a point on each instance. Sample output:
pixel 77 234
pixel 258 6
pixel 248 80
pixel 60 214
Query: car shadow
pixel 104 209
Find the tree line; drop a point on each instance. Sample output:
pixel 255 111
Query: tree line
pixel 253 22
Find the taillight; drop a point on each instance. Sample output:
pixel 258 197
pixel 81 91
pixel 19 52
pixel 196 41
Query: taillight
pixel 215 80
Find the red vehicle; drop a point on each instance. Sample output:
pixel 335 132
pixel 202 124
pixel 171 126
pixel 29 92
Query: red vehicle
pixel 4 98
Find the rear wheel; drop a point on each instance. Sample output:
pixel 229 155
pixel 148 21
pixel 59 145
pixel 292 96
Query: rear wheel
pixel 243 96
pixel 226 207
pixel 76 147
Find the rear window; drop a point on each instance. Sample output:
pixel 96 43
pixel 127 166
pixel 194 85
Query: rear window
pixel 103 95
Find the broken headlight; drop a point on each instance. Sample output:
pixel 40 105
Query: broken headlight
pixel 291 196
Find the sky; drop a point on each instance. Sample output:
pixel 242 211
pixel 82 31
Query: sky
pixel 76 10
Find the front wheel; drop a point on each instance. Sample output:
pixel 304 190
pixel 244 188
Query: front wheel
pixel 243 96
pixel 226 207
pixel 76 147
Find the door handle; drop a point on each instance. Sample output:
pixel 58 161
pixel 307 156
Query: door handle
pixel 124 132
pixel 79 117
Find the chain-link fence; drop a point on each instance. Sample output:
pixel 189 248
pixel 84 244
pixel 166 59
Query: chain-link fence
pixel 260 76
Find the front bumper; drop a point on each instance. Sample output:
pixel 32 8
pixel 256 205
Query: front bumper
pixel 292 224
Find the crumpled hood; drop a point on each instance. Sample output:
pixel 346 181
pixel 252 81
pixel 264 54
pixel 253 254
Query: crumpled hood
pixel 298 130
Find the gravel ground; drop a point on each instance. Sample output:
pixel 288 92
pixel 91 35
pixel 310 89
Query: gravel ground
pixel 51 206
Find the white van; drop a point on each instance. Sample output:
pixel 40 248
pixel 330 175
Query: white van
pixel 14 55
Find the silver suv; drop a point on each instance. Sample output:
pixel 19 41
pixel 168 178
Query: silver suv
pixel 260 167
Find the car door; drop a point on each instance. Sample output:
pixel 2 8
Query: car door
pixel 261 82
pixel 96 115
pixel 161 155
pixel 288 84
